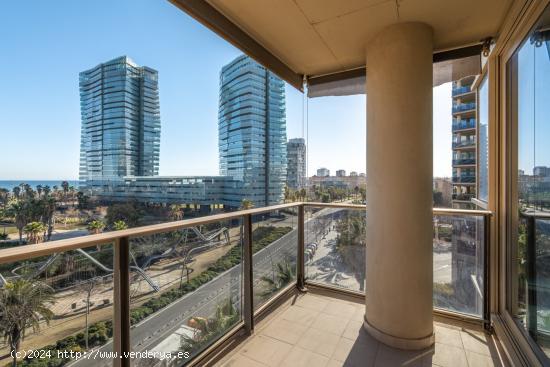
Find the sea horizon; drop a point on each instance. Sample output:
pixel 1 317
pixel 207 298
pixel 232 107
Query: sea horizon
pixel 10 184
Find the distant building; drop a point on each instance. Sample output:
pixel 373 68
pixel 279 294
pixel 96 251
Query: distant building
pixel 340 173
pixel 296 163
pixel 464 142
pixel 323 172
pixel 541 171
pixel 353 174
pixel 120 133
pixel 344 182
pixel 445 187
pixel 252 131
pixel 362 174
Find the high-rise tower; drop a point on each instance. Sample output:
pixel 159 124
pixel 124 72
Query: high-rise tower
pixel 120 134
pixel 252 131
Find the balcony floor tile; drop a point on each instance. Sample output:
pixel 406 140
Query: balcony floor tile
pixel 309 331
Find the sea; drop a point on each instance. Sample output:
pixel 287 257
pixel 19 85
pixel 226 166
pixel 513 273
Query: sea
pixel 10 184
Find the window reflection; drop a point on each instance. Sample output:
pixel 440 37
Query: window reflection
pixel 529 80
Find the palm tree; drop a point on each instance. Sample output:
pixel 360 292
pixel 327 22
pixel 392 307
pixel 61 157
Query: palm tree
pixel 208 329
pixel 49 204
pixel 96 226
pixel 176 212
pixel 16 191
pixel 23 304
pixel 284 275
pixel 246 204
pixel 119 225
pixel 20 213
pixel 35 232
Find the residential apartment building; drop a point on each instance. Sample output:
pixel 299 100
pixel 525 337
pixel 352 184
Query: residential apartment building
pixel 341 173
pixel 120 134
pixel 323 172
pixel 296 164
pixel 252 131
pixel 464 142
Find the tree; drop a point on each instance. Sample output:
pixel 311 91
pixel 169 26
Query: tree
pixel 96 227
pixel 176 212
pixel 82 200
pixel 119 225
pixel 128 213
pixel 23 304
pixel 16 191
pixel 283 276
pixel 246 204
pixel 35 232
pixel 209 329
pixel 303 194
pixel 65 187
pixel 48 206
pixel 20 213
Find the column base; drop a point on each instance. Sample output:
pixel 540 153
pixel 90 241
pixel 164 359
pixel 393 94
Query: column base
pixel 397 342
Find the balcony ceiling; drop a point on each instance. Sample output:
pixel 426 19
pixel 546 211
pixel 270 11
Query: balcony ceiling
pixel 315 37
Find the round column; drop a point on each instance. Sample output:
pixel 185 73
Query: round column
pixel 399 274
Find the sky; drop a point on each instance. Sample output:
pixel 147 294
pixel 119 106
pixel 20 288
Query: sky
pixel 50 42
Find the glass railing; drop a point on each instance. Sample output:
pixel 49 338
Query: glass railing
pixel 464 179
pixel 461 90
pixel 464 161
pixel 534 275
pixel 459 262
pixel 464 124
pixel 274 248
pixel 182 288
pixel 463 197
pixel 464 107
pixel 464 143
pixel 335 248
pixel 185 289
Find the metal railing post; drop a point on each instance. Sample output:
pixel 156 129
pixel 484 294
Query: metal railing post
pixel 531 274
pixel 300 264
pixel 121 289
pixel 248 291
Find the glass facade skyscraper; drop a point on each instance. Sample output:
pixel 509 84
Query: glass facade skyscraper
pixel 296 170
pixel 120 112
pixel 252 131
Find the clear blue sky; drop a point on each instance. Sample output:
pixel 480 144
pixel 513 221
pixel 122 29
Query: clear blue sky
pixel 50 42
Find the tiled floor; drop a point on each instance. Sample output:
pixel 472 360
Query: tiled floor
pixel 317 331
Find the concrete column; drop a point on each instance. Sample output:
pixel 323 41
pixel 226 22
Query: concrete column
pixel 399 274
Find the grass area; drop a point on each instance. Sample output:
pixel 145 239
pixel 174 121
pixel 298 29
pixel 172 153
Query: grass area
pixel 9 229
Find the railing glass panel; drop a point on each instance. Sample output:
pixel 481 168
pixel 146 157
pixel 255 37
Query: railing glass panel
pixel 65 300
pixel 274 253
pixel 185 289
pixel 459 263
pixel 335 247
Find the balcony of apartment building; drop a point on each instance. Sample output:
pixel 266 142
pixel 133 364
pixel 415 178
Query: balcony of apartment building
pixel 414 286
pixel 464 142
pixel 463 125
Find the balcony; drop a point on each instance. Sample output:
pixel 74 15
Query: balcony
pixel 464 162
pixel 463 197
pixel 464 125
pixel 464 107
pixel 156 291
pixel 461 90
pixel 464 179
pixel 469 143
